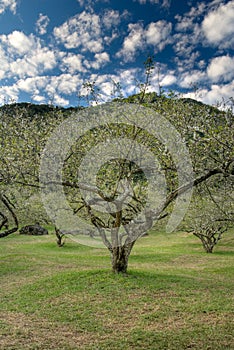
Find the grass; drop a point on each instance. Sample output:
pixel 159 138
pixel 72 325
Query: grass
pixel 175 296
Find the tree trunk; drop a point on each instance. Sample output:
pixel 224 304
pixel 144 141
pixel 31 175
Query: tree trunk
pixel 9 208
pixel 120 257
pixel 60 237
pixel 208 247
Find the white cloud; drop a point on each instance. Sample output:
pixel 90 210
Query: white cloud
pixel 106 86
pixel 100 60
pixel 164 3
pixel 186 22
pixel 42 24
pixel 40 61
pixel 22 56
pixel 168 79
pixel 89 31
pixel 64 84
pixel 19 43
pixel 50 88
pixel 186 40
pixel 191 78
pixel 221 69
pixel 33 85
pixel 38 98
pixel 5 4
pixel 127 79
pixel 188 64
pixel 73 63
pixel 83 30
pixel 156 34
pixel 218 26
pixel 90 3
pixel 112 18
pixel 9 94
pixel 58 100
pixel 4 63
pixel 57 89
pixel 133 42
pixel 215 94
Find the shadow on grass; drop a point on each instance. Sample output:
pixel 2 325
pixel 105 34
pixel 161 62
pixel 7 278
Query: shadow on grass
pixel 222 253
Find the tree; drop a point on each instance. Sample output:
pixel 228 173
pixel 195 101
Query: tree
pixel 209 233
pixel 117 186
pixel 212 213
pixel 23 130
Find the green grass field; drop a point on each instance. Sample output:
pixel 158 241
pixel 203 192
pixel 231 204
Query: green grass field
pixel 175 296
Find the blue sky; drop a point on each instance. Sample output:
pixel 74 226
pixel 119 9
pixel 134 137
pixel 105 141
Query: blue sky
pixel 49 48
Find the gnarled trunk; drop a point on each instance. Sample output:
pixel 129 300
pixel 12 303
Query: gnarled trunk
pixel 9 207
pixel 119 258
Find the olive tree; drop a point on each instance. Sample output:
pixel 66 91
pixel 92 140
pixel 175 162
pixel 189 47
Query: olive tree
pixel 212 211
pixel 123 167
pixel 22 137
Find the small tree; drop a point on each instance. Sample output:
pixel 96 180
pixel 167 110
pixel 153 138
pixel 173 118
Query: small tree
pixel 210 233
pixel 212 211
pixel 60 237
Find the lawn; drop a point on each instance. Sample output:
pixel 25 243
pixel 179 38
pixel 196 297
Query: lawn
pixel 175 296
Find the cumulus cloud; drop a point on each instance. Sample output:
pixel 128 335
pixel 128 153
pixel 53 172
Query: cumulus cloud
pixel 106 82
pixel 100 60
pixel 4 63
pixel 127 79
pixel 50 88
pixel 83 30
pixel 33 85
pixel 64 84
pixel 39 99
pixel 133 42
pixel 188 31
pixel 18 43
pixel 221 69
pixel 38 62
pixel 73 63
pixel 23 56
pixel 168 79
pixel 112 18
pixel 9 94
pixel 186 22
pixel 214 94
pixel 42 24
pixel 189 79
pixel 164 3
pixel 89 3
pixel 88 30
pixel 8 4
pixel 156 34
pixel 193 27
pixel 218 26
